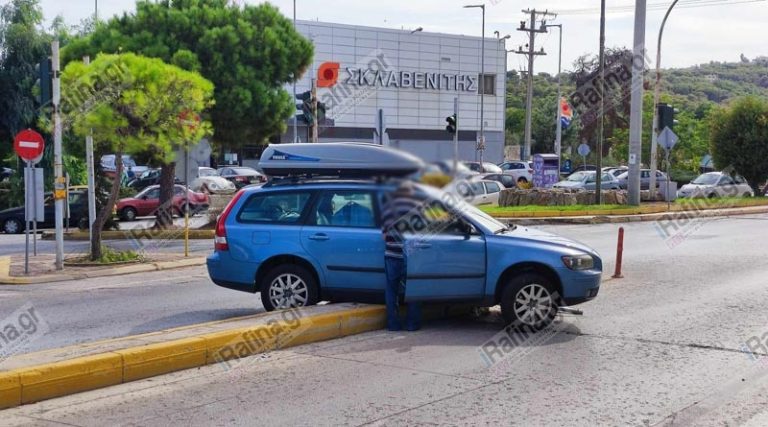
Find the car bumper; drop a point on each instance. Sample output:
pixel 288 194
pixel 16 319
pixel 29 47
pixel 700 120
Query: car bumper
pixel 231 274
pixel 580 286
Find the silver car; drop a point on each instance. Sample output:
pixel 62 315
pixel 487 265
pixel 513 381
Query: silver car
pixel 586 180
pixel 716 184
pixel 645 179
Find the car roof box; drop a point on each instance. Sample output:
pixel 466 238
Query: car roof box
pixel 337 159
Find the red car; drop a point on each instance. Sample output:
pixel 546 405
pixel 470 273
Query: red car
pixel 148 200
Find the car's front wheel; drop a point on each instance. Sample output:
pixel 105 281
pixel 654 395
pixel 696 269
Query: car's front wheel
pixel 529 301
pixel 288 286
pixel 128 214
pixel 13 226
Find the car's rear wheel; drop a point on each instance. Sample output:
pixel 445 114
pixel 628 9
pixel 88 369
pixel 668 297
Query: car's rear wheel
pixel 529 301
pixel 288 286
pixel 13 226
pixel 128 214
pixel 712 195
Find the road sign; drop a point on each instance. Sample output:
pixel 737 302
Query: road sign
pixel 33 194
pixel 29 145
pixel 667 139
pixel 583 149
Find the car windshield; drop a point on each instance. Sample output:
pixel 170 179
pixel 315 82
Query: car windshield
pixel 244 171
pixel 472 213
pixel 706 179
pixel 207 172
pixel 578 176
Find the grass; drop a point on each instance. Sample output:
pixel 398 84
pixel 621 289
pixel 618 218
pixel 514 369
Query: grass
pixel 535 208
pixel 108 256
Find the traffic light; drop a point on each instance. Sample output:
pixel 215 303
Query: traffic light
pixel 320 112
pixel 666 116
pixel 44 81
pixel 305 106
pixel 451 127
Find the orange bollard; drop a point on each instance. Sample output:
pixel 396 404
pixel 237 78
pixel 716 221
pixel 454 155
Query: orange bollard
pixel 619 253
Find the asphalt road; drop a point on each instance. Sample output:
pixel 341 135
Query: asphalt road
pixel 659 347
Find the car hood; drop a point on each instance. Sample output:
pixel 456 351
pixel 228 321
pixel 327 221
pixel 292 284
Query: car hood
pixel 569 184
pixel 537 235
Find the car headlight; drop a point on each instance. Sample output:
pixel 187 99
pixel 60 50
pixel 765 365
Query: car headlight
pixel 579 262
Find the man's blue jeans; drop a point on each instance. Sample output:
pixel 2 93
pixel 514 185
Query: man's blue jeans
pixel 395 269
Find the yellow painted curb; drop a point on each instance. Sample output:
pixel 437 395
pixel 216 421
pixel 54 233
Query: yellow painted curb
pixel 70 376
pixel 49 380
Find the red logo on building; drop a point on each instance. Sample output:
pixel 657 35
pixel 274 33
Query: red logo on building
pixel 328 74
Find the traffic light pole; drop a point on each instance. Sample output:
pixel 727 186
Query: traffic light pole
pixel 456 137
pixel 59 192
pixel 656 96
pixel 315 123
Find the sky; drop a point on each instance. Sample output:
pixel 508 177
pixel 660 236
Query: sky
pixel 694 33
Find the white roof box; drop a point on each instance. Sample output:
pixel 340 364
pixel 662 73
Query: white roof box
pixel 337 159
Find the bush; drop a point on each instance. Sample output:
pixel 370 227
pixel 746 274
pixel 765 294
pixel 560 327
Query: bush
pixel 682 176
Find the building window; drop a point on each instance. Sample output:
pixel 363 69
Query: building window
pixel 487 84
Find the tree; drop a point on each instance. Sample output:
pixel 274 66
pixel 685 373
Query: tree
pixel 23 44
pixel 248 52
pixel 739 138
pixel 132 104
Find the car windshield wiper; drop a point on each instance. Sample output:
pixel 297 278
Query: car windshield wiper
pixel 505 229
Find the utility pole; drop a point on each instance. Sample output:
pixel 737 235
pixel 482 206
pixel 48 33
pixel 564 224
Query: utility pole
pixel 456 137
pixel 656 95
pixel 89 161
pixel 480 147
pixel 601 123
pixel 315 123
pixel 295 122
pixel 636 105
pixel 559 129
pixel 531 53
pixel 59 190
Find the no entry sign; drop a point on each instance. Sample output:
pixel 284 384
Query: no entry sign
pixel 29 145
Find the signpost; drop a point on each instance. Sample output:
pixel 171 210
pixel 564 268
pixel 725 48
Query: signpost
pixel 29 145
pixel 667 140
pixel 191 120
pixel 583 150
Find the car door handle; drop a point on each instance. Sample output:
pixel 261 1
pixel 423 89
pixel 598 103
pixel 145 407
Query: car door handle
pixel 319 236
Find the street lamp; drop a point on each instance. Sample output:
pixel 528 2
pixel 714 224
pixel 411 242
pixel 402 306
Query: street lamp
pixel 559 132
pixel 481 143
pixel 417 30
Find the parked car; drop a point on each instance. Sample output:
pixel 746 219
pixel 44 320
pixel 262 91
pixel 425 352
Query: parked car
pixel 587 180
pixel 616 170
pixel 584 168
pixel 297 243
pixel 477 192
pixel 716 184
pixel 241 175
pixel 6 173
pixel 446 167
pixel 147 201
pixel 487 167
pixel 109 168
pixel 208 181
pixel 645 179
pixel 12 220
pixel 506 180
pixel 522 171
pixel 147 178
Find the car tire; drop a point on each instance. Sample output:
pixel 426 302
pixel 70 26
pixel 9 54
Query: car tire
pixel 128 214
pixel 746 195
pixel 13 226
pixel 522 180
pixel 711 195
pixel 529 302
pixel 288 286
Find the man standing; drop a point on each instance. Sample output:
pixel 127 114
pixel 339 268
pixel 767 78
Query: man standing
pixel 400 210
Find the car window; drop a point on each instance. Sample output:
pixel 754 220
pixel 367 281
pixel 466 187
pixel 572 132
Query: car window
pixel 706 179
pixel 645 174
pixel 283 207
pixel 75 198
pixel 178 191
pixel 607 177
pixel 152 194
pixel 739 179
pixel 726 180
pixel 508 181
pixel 591 178
pixel 477 188
pixel 492 187
pixel 659 174
pixel 347 208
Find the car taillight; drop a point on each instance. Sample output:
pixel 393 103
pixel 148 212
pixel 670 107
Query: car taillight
pixel 220 237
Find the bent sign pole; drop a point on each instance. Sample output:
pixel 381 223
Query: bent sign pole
pixel 29 145
pixel 59 192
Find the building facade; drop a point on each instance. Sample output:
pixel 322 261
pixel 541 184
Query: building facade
pixel 410 79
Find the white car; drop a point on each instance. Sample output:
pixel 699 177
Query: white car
pixel 209 181
pixel 716 184
pixel 522 171
pixel 476 192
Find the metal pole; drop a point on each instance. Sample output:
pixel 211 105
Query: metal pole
pixel 481 145
pixel 295 121
pixel 58 186
pixel 26 218
pixel 34 209
pixel 636 105
pixel 666 190
pixel 456 138
pixel 656 95
pixel 601 125
pixel 186 198
pixel 529 92
pixel 91 177
pixel 559 131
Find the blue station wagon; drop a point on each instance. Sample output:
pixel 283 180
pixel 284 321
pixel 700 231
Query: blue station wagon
pixel 297 242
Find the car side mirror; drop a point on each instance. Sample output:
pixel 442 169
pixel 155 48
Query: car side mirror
pixel 467 228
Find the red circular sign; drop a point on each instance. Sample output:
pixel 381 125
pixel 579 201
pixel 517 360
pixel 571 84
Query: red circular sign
pixel 29 145
pixel 189 119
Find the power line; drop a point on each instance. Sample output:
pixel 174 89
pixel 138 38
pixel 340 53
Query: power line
pixel 684 4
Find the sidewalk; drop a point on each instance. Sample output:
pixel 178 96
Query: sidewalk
pixel 42 268
pixel 32 377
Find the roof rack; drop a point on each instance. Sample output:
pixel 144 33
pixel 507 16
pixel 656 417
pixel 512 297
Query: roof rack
pixel 337 160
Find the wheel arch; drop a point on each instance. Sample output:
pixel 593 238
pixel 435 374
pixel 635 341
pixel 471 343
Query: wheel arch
pixel 277 260
pixel 526 267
